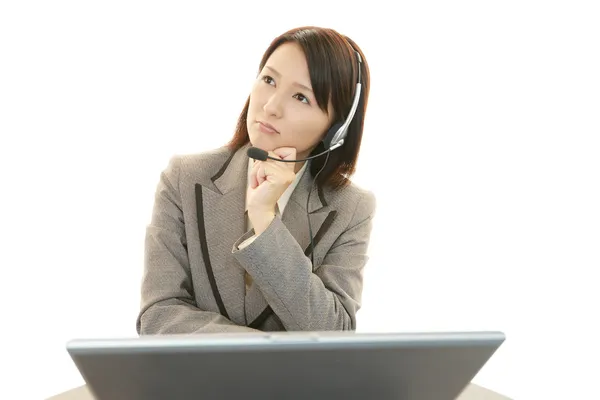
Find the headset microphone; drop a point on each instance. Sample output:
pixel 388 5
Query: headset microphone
pixel 262 155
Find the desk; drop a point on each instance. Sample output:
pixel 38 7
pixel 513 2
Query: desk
pixel 472 392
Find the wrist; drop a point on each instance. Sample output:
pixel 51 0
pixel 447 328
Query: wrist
pixel 261 219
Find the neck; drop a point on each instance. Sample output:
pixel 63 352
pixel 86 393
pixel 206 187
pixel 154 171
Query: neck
pixel 299 166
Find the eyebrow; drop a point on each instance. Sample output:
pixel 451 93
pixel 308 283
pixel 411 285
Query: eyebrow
pixel 295 83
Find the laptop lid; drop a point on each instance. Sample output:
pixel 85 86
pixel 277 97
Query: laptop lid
pixel 288 365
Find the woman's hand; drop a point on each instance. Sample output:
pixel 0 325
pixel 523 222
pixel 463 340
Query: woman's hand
pixel 268 180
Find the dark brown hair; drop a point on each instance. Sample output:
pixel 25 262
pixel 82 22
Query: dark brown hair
pixel 333 69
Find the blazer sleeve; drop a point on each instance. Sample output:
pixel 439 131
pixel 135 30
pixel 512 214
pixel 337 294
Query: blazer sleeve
pixel 167 299
pixel 324 300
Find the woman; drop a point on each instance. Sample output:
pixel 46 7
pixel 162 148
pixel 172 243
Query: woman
pixel 291 259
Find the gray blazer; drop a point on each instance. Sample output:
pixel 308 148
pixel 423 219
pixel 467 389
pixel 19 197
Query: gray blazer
pixel 193 280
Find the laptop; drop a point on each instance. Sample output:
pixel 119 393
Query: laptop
pixel 284 365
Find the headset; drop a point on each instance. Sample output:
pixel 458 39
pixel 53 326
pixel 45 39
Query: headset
pixel 338 132
pixel 333 139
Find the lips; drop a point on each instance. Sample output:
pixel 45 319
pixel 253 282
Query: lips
pixel 267 127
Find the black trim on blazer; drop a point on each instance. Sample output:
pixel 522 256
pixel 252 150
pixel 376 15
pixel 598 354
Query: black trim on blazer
pixel 258 321
pixel 205 256
pixel 326 224
pixel 321 196
pixel 223 168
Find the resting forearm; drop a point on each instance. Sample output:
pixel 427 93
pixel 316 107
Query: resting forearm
pixel 178 317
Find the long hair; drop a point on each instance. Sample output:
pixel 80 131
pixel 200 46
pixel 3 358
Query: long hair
pixel 333 69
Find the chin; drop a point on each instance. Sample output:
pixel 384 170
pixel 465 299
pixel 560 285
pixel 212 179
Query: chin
pixel 261 143
pixel 263 146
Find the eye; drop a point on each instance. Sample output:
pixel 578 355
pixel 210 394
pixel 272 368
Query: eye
pixel 267 79
pixel 302 98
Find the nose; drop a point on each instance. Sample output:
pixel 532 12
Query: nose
pixel 273 106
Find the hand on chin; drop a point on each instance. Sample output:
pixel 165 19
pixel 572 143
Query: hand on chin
pixel 268 180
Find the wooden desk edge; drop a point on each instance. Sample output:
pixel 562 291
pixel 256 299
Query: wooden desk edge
pixel 472 392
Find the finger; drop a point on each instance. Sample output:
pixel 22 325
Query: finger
pixel 281 166
pixel 261 174
pixel 272 171
pixel 253 178
pixel 286 153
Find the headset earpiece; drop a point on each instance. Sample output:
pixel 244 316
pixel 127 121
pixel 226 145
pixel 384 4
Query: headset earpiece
pixel 330 135
pixel 337 133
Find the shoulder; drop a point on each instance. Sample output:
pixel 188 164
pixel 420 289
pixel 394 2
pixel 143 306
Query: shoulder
pixel 199 165
pixel 360 201
pixel 203 161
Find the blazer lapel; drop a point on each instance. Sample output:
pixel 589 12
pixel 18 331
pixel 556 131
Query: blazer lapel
pixel 220 209
pixel 294 218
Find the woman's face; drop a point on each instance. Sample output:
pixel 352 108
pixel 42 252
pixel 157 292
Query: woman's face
pixel 283 111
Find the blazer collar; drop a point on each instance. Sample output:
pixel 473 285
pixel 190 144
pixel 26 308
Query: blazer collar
pixel 305 186
pixel 233 173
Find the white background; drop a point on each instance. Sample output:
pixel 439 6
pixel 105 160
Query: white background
pixel 481 144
